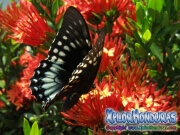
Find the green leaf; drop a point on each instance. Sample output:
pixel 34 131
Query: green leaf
pixel 59 23
pixel 90 131
pixel 2 35
pixel 140 50
pixel 36 109
pixel 168 29
pixel 176 4
pixel 29 115
pixel 176 49
pixel 14 47
pixel 96 19
pixel 140 13
pixel 2 84
pixel 110 13
pixel 26 127
pixel 4 60
pixel 177 63
pixel 152 73
pixel 177 35
pixel 145 25
pixel 157 51
pixel 165 20
pixel 132 53
pixel 34 129
pixel 36 4
pixel 133 23
pixel 156 5
pixel 55 6
pixel 40 131
pixel 147 36
pixel 138 38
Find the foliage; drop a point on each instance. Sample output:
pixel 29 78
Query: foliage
pixel 34 130
pixel 157 40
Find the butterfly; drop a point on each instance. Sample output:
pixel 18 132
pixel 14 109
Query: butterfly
pixel 71 65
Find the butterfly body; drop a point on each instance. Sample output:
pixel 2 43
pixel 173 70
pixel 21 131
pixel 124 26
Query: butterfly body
pixel 71 65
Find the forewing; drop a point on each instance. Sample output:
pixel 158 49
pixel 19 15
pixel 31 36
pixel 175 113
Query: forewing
pixel 72 42
pixel 81 80
pixel 68 49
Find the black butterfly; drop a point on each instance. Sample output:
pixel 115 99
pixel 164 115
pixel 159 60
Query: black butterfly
pixel 71 65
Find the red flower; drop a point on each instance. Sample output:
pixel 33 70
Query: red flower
pixel 127 90
pixel 121 24
pixel 20 94
pixel 129 76
pixel 1 104
pixel 136 93
pixel 99 7
pixel 90 110
pixel 147 98
pixel 113 49
pixel 60 13
pixel 25 23
pixel 97 12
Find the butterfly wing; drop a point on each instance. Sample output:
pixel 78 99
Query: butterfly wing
pixel 82 78
pixel 68 49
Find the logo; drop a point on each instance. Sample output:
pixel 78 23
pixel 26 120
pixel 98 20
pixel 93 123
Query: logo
pixel 140 121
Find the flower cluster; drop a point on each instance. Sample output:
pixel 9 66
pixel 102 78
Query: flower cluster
pixel 25 23
pixel 88 7
pixel 20 94
pixel 113 49
pixel 127 90
pixel 99 12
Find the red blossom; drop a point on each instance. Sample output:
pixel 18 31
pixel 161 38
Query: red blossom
pixel 178 96
pixel 132 76
pixel 20 94
pixel 121 24
pixel 45 8
pixel 147 98
pixel 113 49
pixel 1 102
pixel 97 6
pixel 25 23
pixel 120 9
pixel 90 110
pixel 127 90
pixel 60 13
pixel 137 93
